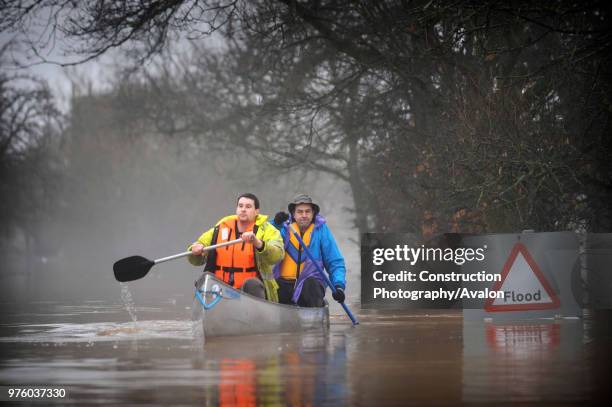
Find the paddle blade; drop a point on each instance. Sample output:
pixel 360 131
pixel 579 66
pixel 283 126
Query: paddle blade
pixel 132 268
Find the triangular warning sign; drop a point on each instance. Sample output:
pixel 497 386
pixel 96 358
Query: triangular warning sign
pixel 525 287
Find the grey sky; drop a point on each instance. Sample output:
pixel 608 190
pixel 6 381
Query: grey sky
pixel 20 59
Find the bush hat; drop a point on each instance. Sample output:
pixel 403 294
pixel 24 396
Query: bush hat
pixel 303 199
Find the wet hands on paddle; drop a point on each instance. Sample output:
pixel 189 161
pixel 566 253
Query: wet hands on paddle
pixel 197 249
pixel 250 237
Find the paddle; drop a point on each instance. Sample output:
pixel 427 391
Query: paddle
pixel 135 267
pixel 323 275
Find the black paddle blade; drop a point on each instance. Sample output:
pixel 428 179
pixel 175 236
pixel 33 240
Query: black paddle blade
pixel 132 268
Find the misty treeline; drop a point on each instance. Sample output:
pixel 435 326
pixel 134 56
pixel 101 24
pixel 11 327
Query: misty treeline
pixel 463 116
pixel 105 178
pixel 74 184
pixel 101 180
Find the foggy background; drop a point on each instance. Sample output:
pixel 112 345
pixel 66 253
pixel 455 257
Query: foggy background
pixel 111 186
pixel 418 117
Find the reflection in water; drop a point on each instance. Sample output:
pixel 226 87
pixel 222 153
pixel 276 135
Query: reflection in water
pixel 598 351
pixel 238 382
pixel 295 370
pixel 103 357
pixel 525 361
pixel 405 360
pixel 523 340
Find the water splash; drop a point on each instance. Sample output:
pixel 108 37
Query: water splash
pixel 197 329
pixel 91 333
pixel 128 301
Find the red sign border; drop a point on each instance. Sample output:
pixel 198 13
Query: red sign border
pixel 519 247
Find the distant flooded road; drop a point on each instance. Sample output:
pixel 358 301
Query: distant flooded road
pixel 102 355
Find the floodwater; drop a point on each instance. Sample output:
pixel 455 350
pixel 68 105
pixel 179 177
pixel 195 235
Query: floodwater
pixel 155 355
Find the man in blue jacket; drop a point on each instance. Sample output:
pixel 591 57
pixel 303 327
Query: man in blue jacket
pixel 297 277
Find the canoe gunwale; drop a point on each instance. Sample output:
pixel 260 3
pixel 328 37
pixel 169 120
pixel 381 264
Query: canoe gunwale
pixel 245 314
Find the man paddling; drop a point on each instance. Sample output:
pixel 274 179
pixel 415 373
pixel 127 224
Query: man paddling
pixel 246 265
pixel 298 279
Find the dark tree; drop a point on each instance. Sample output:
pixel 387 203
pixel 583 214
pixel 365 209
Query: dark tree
pixel 456 115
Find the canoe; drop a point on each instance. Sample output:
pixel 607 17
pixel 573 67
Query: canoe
pixel 227 311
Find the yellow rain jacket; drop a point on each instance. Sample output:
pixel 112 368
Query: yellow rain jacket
pixel 272 253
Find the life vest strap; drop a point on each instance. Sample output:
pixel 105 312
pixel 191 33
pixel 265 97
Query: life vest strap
pixel 237 269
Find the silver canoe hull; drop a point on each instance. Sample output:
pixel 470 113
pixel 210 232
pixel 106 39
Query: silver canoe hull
pixel 234 312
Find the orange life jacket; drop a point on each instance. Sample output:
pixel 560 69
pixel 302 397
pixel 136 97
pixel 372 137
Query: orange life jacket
pixel 235 263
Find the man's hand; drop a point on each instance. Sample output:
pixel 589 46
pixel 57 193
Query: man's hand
pixel 249 237
pixel 281 217
pixel 339 294
pixel 197 249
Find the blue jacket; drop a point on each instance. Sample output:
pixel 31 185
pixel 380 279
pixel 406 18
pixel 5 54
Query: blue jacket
pixel 323 248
